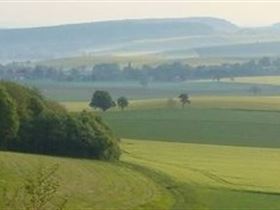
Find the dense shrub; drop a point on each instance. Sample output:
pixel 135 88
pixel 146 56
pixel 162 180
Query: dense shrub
pixel 9 122
pixel 45 127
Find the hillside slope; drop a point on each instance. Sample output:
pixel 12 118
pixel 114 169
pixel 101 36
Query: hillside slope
pixel 161 175
pixel 89 184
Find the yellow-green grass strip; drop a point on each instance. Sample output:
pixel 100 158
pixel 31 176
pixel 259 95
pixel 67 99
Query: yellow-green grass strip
pixel 239 168
pixel 225 102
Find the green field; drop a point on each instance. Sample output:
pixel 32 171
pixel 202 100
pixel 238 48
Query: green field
pixel 207 126
pixel 82 91
pixel 160 175
pixel 224 177
pixel 240 120
pixel 90 184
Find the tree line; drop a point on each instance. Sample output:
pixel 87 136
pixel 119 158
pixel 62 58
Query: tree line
pixel 30 123
pixel 165 72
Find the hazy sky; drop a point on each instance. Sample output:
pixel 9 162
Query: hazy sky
pixel 38 13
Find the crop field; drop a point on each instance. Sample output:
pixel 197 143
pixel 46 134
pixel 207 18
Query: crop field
pixel 207 126
pixel 225 177
pixel 82 91
pixel 260 80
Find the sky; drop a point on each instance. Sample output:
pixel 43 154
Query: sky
pixel 22 13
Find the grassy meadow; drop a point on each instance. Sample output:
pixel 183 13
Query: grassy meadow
pixel 90 184
pixel 162 175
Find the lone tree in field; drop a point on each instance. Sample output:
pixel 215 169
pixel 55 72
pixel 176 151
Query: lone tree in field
pixel 184 98
pixel 122 102
pixel 101 99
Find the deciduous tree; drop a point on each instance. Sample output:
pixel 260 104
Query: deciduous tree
pixel 101 99
pixel 122 102
pixel 184 98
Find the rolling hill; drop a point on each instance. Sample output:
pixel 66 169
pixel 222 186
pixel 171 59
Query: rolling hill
pixel 88 184
pixel 156 175
pixel 65 40
pixel 171 38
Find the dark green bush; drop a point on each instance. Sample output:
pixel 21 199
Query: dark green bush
pixel 9 121
pixel 47 128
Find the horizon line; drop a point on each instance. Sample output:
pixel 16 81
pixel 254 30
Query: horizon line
pixel 129 19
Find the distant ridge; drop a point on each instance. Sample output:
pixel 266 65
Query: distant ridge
pixel 206 20
pixel 132 35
